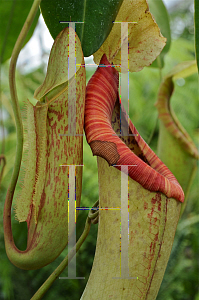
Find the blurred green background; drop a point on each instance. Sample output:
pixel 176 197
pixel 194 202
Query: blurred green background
pixel 181 279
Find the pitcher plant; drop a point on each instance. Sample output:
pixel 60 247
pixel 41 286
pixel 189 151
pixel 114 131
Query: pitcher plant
pixel 155 185
pixel 42 200
pixel 154 202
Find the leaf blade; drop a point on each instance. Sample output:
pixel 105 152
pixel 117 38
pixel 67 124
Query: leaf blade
pixel 96 15
pixel 144 37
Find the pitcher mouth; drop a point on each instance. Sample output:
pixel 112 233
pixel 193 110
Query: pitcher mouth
pixel 102 128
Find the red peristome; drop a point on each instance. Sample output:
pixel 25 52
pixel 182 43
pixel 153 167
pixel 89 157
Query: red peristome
pixel 101 96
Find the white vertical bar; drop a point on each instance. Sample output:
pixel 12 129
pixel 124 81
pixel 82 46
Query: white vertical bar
pixel 124 222
pixel 71 222
pixel 72 132
pixel 124 82
pixel 72 84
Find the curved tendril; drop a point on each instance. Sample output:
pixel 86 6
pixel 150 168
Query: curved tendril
pixel 3 161
pixel 13 93
pixel 94 213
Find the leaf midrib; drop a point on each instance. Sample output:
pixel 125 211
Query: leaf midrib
pixel 84 13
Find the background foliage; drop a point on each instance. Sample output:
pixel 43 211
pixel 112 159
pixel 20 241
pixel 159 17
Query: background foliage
pixel 181 277
pixel 11 24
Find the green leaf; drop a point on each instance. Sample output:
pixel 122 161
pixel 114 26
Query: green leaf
pixel 13 15
pixel 98 17
pixel 197 31
pixel 159 11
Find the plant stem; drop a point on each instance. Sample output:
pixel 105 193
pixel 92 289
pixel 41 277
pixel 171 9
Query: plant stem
pixel 159 67
pixel 153 131
pixel 156 121
pixel 47 284
pixel 13 93
pixel 3 162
